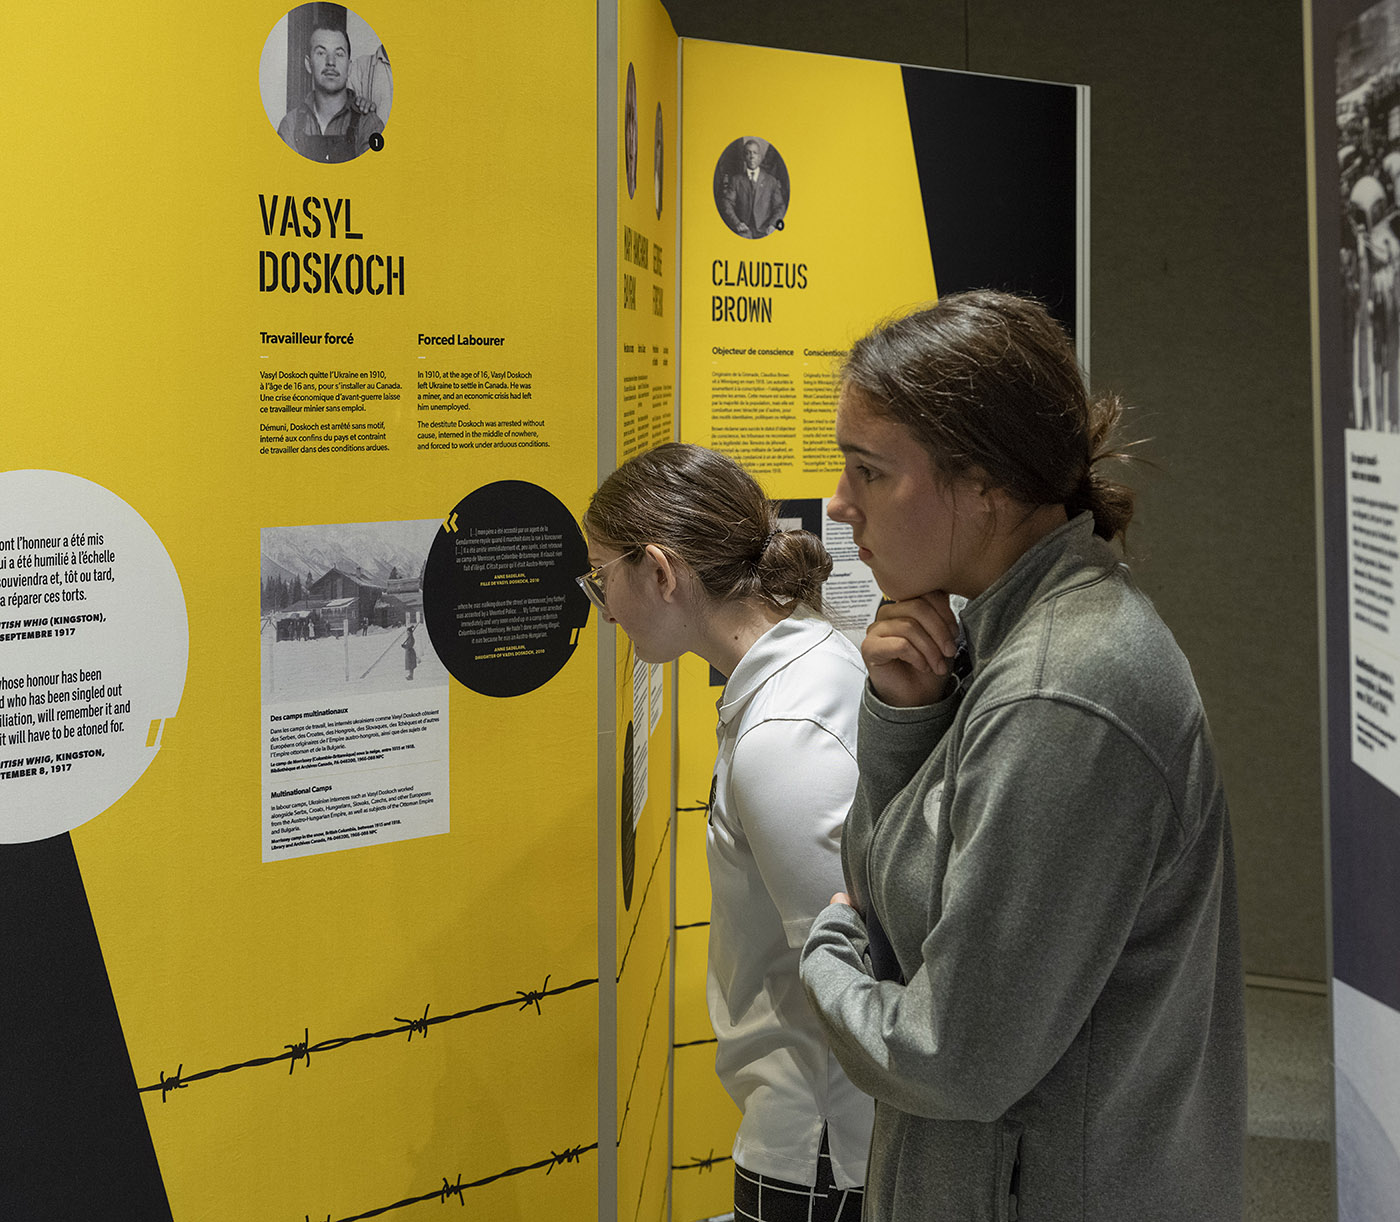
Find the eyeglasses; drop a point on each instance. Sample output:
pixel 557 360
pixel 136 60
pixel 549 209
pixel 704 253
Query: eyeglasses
pixel 591 583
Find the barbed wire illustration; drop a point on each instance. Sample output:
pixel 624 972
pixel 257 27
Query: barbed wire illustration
pixel 705 807
pixel 456 1188
pixel 704 1162
pixel 299 1051
pixel 701 1163
pixel 646 892
pixel 693 925
pixel 641 1048
pixel 651 1143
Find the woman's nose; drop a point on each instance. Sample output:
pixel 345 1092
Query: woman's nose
pixel 839 507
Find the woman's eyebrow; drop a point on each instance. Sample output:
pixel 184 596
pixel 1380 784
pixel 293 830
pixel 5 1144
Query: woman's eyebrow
pixel 850 447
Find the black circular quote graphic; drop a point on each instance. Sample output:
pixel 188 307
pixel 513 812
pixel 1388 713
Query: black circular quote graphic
pixel 628 829
pixel 500 599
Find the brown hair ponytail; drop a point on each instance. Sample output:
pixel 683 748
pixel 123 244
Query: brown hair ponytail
pixel 708 512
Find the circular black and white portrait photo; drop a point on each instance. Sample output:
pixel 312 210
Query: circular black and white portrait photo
pixel 751 187
pixel 629 131
pixel 326 83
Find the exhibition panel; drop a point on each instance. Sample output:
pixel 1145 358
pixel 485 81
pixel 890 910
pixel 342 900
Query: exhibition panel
pixel 1355 130
pixel 296 392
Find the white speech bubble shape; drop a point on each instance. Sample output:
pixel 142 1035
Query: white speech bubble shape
pixel 94 644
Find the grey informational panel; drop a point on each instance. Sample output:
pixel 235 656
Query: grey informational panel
pixel 1356 145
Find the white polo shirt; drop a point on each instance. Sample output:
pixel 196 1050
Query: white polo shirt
pixel 784 779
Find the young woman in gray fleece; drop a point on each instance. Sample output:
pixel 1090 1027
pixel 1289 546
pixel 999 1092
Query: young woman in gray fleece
pixel 1035 966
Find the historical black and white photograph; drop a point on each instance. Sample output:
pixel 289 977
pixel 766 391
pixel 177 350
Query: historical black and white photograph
pixel 342 609
pixel 1368 162
pixel 751 187
pixel 327 84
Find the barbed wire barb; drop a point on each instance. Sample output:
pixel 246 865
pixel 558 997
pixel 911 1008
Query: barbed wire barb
pixel 703 1162
pixel 570 1155
pixel 300 1051
pixel 454 1190
pixel 681 810
pixel 416 1024
pixel 169 1084
pixel 533 996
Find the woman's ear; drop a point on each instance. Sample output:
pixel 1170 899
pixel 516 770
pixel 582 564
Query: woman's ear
pixel 663 570
pixel 984 505
pixel 973 496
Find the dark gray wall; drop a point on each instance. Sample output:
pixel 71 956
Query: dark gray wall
pixel 1199 311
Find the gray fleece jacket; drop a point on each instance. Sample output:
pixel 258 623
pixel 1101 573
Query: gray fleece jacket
pixel 1045 994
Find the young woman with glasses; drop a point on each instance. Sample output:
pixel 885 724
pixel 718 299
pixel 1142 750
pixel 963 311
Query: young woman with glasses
pixel 689 557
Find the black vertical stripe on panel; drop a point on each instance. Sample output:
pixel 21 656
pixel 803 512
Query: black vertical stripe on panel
pixel 74 1142
pixel 1365 872
pixel 998 169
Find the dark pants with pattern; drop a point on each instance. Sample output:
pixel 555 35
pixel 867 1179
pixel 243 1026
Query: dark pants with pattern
pixel 760 1198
